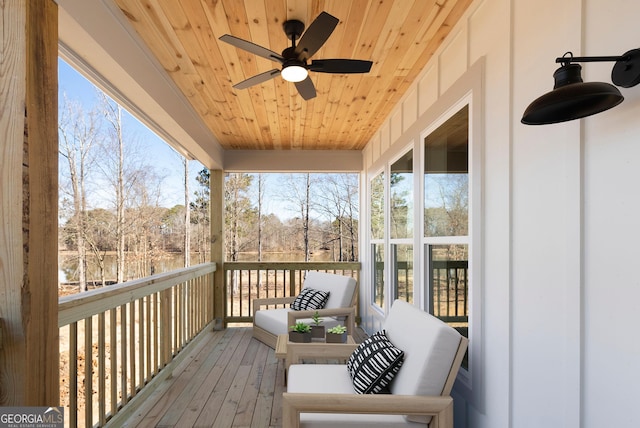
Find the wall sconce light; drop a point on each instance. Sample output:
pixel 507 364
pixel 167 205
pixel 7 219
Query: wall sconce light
pixel 571 98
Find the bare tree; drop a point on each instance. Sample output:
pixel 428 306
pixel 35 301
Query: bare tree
pixel 200 211
pixel 99 226
pixel 187 216
pixel 114 152
pixel 298 192
pixel 78 133
pixel 128 174
pixel 239 213
pixel 260 201
pixel 337 198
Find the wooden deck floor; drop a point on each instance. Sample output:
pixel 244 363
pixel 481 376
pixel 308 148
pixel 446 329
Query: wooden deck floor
pixel 229 380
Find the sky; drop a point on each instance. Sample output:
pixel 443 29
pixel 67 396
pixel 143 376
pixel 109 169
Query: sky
pixel 165 159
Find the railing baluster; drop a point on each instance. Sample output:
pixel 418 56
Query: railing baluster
pixel 141 343
pixel 148 341
pixel 73 374
pixel 292 282
pixel 132 348
pixel 123 355
pixel 113 358
pixel 88 372
pixel 101 370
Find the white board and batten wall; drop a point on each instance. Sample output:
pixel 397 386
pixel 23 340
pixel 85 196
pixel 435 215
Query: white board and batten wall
pixel 559 287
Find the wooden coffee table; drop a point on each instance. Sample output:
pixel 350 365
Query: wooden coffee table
pixel 315 348
pixel 283 341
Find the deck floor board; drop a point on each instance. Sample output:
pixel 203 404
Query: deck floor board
pixel 230 380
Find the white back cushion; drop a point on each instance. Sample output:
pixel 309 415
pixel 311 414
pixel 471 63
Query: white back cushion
pixel 340 287
pixel 429 347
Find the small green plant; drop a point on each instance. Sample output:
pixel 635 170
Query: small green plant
pixel 301 327
pixel 339 329
pixel 316 319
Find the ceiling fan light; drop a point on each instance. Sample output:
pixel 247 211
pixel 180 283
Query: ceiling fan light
pixel 294 73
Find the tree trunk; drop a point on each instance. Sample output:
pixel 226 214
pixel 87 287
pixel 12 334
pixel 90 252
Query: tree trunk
pixel 187 216
pixel 120 202
pixel 305 224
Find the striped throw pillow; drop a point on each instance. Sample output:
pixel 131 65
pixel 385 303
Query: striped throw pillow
pixel 310 299
pixel 374 363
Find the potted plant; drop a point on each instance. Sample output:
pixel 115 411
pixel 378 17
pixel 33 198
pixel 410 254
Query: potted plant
pixel 301 332
pixel 337 334
pixel 317 330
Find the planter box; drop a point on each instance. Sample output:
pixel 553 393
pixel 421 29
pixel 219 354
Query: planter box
pixel 317 331
pixel 295 336
pixel 336 338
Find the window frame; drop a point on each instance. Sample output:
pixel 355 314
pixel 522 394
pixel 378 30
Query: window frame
pixel 469 380
pixel 409 240
pixel 373 242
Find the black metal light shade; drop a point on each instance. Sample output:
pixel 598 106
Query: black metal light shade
pixel 571 98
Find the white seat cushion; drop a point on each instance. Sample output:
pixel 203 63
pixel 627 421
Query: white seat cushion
pixel 334 379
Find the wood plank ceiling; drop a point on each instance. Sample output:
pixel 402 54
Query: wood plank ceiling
pixel 398 36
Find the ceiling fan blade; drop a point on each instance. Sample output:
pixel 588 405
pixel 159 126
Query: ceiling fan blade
pixel 252 47
pixel 306 88
pixel 315 36
pixel 340 66
pixel 257 79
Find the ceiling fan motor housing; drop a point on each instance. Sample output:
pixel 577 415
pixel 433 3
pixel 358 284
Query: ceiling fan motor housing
pixel 293 28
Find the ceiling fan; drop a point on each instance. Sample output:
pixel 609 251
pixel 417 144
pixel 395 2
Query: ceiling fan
pixel 294 59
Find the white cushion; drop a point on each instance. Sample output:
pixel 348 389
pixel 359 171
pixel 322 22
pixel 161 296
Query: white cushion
pixel 334 379
pixel 272 320
pixel 340 287
pixel 429 347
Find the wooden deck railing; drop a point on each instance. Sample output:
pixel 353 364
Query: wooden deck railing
pixel 449 290
pixel 115 340
pixel 245 281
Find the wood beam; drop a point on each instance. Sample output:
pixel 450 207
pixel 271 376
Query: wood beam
pixel 216 207
pixel 29 354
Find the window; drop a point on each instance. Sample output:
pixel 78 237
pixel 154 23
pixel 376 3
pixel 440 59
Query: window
pixel 402 226
pixel 425 206
pixel 377 238
pixel 446 221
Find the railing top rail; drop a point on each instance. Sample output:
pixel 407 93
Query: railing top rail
pixel 292 265
pixel 450 264
pixel 75 307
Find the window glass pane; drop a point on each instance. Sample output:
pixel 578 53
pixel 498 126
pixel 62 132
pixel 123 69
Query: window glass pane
pixel 449 285
pixel 401 190
pixel 378 274
pixel 377 207
pixel 403 271
pixel 446 179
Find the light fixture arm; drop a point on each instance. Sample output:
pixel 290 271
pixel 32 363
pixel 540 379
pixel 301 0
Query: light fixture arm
pixel 625 73
pixel 569 59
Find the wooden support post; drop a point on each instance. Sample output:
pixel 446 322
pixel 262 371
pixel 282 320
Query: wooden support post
pixel 29 358
pixel 216 204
